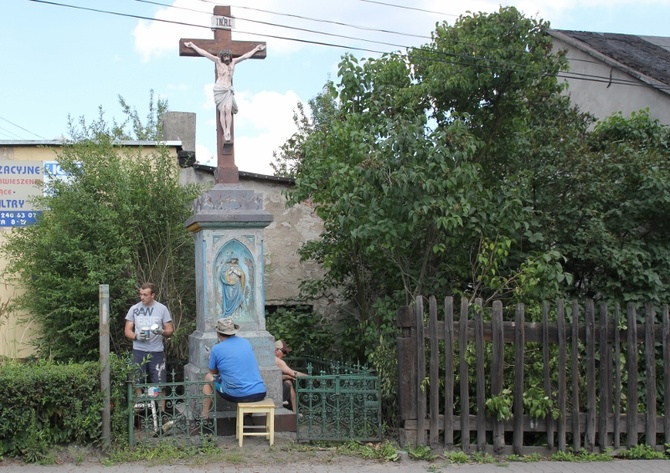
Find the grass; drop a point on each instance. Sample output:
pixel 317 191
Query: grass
pixel 168 452
pixel 457 457
pixel 483 457
pixel 226 452
pixel 383 451
pixel 642 452
pixel 581 456
pixel 422 452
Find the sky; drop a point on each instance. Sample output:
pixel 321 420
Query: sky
pixel 66 59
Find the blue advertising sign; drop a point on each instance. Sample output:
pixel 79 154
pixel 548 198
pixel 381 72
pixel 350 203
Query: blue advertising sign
pixel 19 183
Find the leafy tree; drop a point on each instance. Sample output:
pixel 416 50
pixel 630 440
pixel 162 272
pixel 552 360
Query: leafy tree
pixel 419 166
pixel 117 219
pixel 461 168
pixel 608 210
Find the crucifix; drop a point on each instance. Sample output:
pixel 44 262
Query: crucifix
pixel 225 53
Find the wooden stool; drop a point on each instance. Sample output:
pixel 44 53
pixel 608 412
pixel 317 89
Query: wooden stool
pixel 267 407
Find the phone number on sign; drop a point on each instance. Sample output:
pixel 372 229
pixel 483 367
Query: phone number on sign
pixel 17 219
pixel 18 215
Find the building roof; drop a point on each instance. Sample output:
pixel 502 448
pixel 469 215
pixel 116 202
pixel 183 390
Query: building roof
pixel 645 57
pixel 247 175
pixel 169 143
pixel 59 143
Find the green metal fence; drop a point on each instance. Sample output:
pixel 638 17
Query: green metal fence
pixel 337 401
pixel 171 410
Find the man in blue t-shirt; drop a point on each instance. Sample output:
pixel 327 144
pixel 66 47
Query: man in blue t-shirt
pixel 232 368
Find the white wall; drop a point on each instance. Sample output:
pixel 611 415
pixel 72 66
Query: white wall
pixel 603 99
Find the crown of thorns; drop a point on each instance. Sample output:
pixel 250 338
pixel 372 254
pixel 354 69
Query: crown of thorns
pixel 225 52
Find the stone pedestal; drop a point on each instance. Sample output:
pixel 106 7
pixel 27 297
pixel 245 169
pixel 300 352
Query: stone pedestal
pixel 228 225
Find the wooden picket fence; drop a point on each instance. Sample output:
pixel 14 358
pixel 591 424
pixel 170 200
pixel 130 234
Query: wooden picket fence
pixel 599 373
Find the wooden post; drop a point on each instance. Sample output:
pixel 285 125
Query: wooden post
pixel 434 372
pixel 617 378
pixel 666 373
pixel 547 371
pixel 604 438
pixel 449 375
pixel 497 370
pixel 591 404
pixel 650 362
pixel 420 373
pixel 631 367
pixel 520 346
pixel 105 370
pixel 464 375
pixel 574 369
pixel 407 376
pixel 562 382
pixel 479 370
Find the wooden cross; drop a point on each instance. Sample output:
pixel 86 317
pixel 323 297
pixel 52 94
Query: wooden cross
pixel 225 150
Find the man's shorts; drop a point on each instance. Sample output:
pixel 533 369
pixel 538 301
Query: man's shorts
pixel 286 392
pixel 151 366
pixel 250 398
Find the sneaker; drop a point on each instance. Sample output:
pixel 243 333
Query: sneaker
pixel 168 426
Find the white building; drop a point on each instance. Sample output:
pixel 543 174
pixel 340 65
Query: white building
pixel 612 73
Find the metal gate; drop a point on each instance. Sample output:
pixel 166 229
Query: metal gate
pixel 337 401
pixel 169 411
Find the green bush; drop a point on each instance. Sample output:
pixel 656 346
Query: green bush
pixel 303 331
pixel 45 404
pixel 118 219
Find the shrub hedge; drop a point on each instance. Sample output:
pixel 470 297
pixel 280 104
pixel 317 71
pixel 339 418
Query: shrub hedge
pixel 45 403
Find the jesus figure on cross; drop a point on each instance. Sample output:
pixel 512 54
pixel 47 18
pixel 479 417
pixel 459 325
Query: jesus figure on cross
pixel 224 95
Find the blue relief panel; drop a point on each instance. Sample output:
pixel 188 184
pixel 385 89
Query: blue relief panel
pixel 234 273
